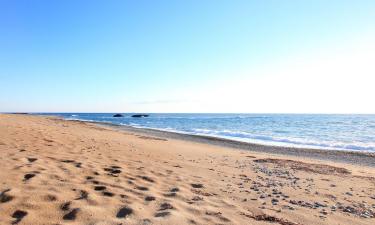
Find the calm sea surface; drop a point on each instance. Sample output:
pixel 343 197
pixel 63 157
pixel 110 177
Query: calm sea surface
pixel 342 132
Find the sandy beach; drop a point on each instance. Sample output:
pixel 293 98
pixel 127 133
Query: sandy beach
pixel 54 171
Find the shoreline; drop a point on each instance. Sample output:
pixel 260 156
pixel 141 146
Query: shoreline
pixel 342 156
pixel 57 171
pixel 330 140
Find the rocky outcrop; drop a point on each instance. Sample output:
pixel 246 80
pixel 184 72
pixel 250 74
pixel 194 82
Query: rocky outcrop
pixel 140 115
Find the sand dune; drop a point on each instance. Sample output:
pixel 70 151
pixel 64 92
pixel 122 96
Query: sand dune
pixel 67 172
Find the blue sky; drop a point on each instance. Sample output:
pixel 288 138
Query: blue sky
pixel 187 56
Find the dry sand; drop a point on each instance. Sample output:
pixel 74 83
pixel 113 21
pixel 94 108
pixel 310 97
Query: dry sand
pixel 66 172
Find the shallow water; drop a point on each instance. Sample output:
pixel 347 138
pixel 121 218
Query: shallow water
pixel 341 132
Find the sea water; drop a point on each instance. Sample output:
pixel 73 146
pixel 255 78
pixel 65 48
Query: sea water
pixel 339 132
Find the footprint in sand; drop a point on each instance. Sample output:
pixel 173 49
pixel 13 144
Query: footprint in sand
pixel 147 179
pixel 113 170
pixel 77 164
pixel 82 195
pixel 95 182
pixel 162 214
pixel 50 198
pixel 18 215
pixel 150 198
pixel 124 196
pixel 124 212
pixel 31 160
pixel 28 176
pixel 71 215
pixel 108 194
pixel 197 198
pixel 175 189
pixel 4 197
pixel 197 185
pixel 217 215
pixel 165 206
pixel 141 188
pixel 172 192
pixel 65 206
pixel 100 188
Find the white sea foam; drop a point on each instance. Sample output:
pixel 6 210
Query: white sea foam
pixel 339 132
pixel 282 141
pixel 267 140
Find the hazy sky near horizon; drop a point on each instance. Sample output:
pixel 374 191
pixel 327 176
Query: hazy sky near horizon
pixel 268 56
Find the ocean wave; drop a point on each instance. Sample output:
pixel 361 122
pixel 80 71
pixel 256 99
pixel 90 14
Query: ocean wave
pixel 265 140
pixel 83 120
pixel 283 141
pixel 272 131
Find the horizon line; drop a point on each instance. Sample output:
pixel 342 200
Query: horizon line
pixel 295 113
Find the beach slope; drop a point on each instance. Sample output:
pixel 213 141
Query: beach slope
pixel 68 172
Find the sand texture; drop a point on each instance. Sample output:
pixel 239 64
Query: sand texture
pixel 68 172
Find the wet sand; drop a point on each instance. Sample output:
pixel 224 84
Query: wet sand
pixel 69 172
pixel 351 157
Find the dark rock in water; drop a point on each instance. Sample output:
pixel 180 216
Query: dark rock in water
pixel 118 115
pixel 140 115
